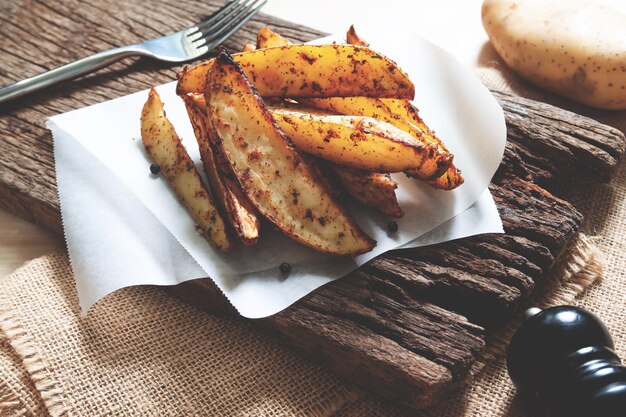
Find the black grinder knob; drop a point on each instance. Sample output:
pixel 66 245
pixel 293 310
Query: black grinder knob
pixel 563 359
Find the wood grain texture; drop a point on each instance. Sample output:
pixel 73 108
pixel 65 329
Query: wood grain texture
pixel 553 142
pixel 409 324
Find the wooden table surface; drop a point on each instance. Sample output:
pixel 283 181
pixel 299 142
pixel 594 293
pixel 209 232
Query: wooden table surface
pixel 21 241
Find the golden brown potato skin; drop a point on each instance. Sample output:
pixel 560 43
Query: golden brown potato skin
pixel 354 141
pixel 312 71
pixel 575 48
pixel 353 39
pixel 231 200
pixel 408 116
pixel 165 148
pixel 267 38
pixel 372 189
pixel 270 171
pixel 248 47
pixel 403 115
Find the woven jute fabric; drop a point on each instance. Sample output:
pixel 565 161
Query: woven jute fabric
pixel 142 352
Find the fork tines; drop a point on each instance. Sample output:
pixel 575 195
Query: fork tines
pixel 217 27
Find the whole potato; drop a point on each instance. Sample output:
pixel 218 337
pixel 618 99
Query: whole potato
pixel 576 48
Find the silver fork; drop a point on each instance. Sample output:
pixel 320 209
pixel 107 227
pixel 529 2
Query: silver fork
pixel 181 46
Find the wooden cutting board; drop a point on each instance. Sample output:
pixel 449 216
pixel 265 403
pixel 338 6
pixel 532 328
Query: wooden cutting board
pixel 407 325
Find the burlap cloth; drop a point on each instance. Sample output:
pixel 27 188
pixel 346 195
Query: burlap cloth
pixel 143 352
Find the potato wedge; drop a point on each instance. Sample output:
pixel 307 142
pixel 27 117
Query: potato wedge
pixel 165 148
pixel 271 172
pixel 312 71
pixel 233 203
pixel 353 39
pixel 354 141
pixel 313 163
pixel 409 115
pixel 403 115
pixel 248 47
pixel 372 189
pixel 267 38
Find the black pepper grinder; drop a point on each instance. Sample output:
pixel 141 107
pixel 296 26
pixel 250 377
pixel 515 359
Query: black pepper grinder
pixel 562 358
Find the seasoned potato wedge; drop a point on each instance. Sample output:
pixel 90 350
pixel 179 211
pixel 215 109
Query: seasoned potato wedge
pixel 372 189
pixel 248 47
pixel 354 141
pixel 271 172
pixel 165 148
pixel 231 200
pixel 409 116
pixel 267 38
pixel 403 115
pixel 353 39
pixel 312 71
pixel 313 163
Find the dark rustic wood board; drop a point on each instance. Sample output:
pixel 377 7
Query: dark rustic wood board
pixel 407 325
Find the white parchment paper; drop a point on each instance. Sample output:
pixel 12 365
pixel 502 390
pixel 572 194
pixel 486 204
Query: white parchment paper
pixel 125 226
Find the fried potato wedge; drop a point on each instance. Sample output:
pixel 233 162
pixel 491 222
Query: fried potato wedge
pixel 372 189
pixel 267 38
pixel 354 141
pixel 312 71
pixel 233 203
pixel 353 39
pixel 403 115
pixel 409 115
pixel 248 47
pixel 165 148
pixel 313 163
pixel 271 172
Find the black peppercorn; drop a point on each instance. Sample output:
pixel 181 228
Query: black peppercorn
pixel 155 168
pixel 392 226
pixel 285 268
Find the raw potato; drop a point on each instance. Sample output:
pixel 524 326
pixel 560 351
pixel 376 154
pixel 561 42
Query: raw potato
pixel 371 189
pixel 271 172
pixel 354 141
pixel 576 48
pixel 164 147
pixel 231 200
pixel 312 71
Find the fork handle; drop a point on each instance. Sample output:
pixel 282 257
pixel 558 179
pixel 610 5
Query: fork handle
pixel 68 72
